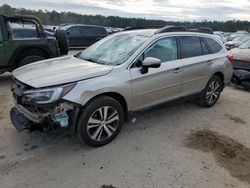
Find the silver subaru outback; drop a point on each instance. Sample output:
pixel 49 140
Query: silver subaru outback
pixel 92 93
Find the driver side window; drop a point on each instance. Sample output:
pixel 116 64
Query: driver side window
pixel 163 49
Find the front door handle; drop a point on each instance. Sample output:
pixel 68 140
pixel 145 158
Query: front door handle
pixel 210 62
pixel 177 70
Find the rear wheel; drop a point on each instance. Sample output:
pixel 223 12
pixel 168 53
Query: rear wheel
pixel 212 92
pixel 100 122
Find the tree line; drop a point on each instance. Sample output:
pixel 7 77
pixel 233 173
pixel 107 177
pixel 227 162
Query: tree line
pixel 57 18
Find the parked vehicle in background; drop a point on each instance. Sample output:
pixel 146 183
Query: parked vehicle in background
pixel 84 35
pixel 21 46
pixel 241 56
pixel 112 30
pixel 95 91
pixel 220 34
pixel 242 32
pixel 241 64
pixel 237 41
pixel 233 36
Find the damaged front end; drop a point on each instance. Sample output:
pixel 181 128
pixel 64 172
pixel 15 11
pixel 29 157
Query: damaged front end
pixel 42 109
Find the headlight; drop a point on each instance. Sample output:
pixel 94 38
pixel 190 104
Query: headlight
pixel 49 95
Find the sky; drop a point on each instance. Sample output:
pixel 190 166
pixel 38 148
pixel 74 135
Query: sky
pixel 174 10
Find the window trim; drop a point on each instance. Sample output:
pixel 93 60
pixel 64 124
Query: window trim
pixel 130 66
pixel 204 41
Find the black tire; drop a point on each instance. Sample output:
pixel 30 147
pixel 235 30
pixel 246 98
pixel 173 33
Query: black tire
pixel 63 41
pixel 205 97
pixel 84 129
pixel 30 59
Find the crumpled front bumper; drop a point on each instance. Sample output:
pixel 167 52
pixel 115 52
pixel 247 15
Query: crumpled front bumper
pixel 23 119
pixel 19 121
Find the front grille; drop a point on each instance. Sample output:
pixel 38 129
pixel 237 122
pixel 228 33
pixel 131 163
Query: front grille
pixel 237 64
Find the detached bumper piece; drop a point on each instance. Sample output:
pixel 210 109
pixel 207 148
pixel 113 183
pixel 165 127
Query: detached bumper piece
pixel 19 120
pixel 241 78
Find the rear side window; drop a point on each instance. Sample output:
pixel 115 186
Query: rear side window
pixel 190 46
pixel 86 31
pixel 99 30
pixel 213 45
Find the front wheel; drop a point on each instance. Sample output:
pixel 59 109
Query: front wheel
pixel 212 92
pixel 100 121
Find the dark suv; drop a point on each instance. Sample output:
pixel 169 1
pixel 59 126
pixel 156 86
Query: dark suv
pixel 84 35
pixel 23 41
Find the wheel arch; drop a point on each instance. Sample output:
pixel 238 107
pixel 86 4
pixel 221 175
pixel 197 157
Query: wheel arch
pixel 118 97
pixel 20 53
pixel 221 76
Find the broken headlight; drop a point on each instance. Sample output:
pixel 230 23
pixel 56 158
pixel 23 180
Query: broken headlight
pixel 48 95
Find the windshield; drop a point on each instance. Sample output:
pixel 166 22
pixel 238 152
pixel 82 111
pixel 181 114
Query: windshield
pixel 245 45
pixel 113 50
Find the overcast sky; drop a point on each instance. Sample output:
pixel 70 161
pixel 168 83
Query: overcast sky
pixel 182 10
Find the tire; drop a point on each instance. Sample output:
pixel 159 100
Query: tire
pixel 63 41
pixel 30 59
pixel 94 128
pixel 211 93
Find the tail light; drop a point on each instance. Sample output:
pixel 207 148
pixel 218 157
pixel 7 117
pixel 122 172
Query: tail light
pixel 230 58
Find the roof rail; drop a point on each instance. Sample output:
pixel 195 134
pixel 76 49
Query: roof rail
pixel 185 28
pixel 143 27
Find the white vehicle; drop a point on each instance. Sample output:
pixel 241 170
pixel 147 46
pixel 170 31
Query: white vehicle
pixel 95 91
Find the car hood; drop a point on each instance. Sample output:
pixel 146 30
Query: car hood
pixel 60 70
pixel 241 54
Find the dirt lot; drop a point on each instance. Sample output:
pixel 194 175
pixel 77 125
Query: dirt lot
pixel 178 145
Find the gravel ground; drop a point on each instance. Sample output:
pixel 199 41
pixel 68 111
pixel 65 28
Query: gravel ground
pixel 151 152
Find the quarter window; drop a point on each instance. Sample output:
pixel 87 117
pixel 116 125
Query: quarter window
pixel 190 46
pixel 204 48
pixel 213 45
pixel 164 49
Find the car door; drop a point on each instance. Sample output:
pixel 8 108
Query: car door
pixel 2 48
pixel 196 64
pixel 158 84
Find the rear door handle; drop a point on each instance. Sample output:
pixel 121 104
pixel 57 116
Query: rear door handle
pixel 177 70
pixel 210 62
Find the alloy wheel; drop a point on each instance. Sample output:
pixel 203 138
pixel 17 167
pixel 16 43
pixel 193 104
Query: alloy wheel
pixel 103 123
pixel 213 92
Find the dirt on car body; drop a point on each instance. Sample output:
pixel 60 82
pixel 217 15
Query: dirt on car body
pixel 228 153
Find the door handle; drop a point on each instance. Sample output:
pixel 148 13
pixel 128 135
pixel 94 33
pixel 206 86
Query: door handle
pixel 210 62
pixel 177 70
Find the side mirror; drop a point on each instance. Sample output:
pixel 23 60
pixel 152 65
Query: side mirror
pixel 68 33
pixel 150 62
